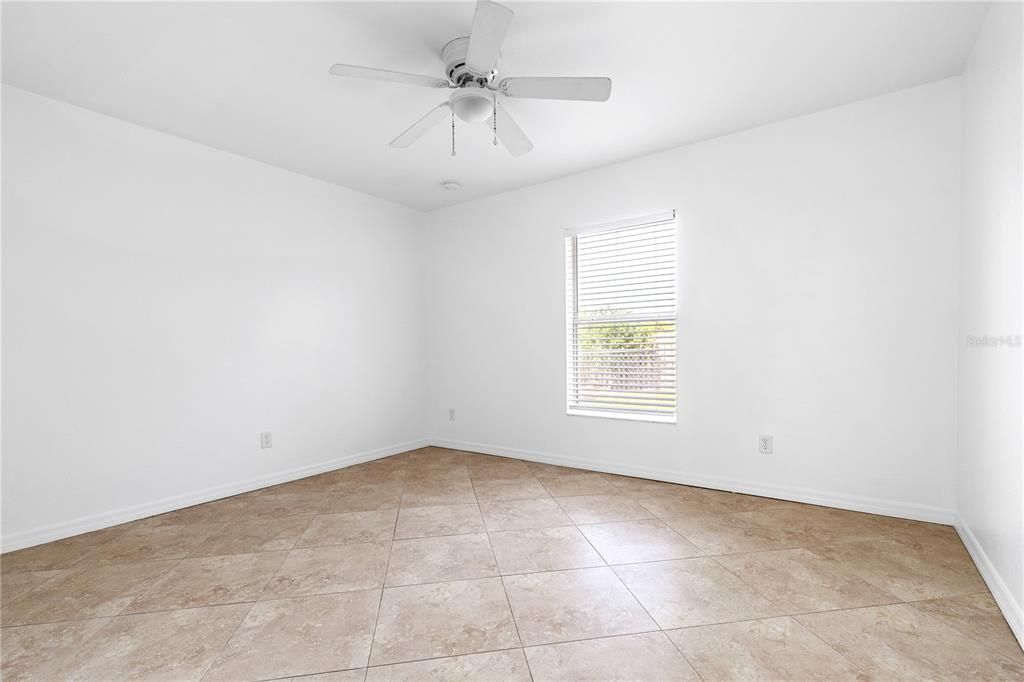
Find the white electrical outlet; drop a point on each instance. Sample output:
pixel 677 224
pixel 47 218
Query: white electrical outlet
pixel 266 440
pixel 764 445
pixel 451 414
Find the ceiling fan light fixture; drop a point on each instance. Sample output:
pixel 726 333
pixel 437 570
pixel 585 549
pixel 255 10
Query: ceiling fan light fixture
pixel 472 105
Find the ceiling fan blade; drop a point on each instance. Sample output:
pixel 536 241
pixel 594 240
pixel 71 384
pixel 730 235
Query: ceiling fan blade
pixel 490 24
pixel 384 75
pixel 510 134
pixel 589 89
pixel 420 127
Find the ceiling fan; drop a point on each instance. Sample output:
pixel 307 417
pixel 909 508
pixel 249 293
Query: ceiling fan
pixel 470 64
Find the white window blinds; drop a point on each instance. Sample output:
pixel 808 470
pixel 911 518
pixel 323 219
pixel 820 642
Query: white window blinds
pixel 621 319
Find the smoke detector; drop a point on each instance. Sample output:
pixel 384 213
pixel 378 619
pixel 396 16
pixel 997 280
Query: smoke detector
pixel 451 185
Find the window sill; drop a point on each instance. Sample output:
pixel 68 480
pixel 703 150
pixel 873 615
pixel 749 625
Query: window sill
pixel 651 418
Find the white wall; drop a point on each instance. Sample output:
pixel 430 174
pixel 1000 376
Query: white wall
pixel 165 302
pixel 990 469
pixel 818 284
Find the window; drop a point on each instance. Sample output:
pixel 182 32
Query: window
pixel 621 319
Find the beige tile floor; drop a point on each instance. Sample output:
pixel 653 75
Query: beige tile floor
pixel 445 565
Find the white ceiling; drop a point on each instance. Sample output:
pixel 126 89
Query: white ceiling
pixel 251 78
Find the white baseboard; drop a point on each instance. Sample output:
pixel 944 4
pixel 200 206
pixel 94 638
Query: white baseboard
pixel 871 505
pixel 1000 592
pixel 57 531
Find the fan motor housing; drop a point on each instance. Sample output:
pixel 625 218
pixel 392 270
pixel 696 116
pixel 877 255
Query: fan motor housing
pixel 454 57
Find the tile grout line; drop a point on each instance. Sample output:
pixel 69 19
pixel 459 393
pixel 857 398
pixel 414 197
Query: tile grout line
pixel 32 589
pixel 624 585
pixel 216 657
pixel 174 568
pixel 510 575
pixel 383 583
pixel 683 654
pixel 809 629
pixel 641 604
pixel 652 631
pixel 435 658
pixel 434 582
pixel 193 555
pixel 515 573
pixel 973 638
pixel 504 588
pixel 260 600
pixel 156 579
pixel 752 588
pixel 298 536
pixel 288 678
pixel 220 652
pixel 832 563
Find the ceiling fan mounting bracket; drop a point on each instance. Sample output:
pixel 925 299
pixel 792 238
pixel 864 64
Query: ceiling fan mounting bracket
pixel 453 54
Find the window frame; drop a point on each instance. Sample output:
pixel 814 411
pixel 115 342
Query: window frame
pixel 572 320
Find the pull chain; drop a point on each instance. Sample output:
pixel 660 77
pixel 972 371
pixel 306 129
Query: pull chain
pixel 453 133
pixel 494 120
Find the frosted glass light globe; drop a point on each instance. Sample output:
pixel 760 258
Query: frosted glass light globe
pixel 473 108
